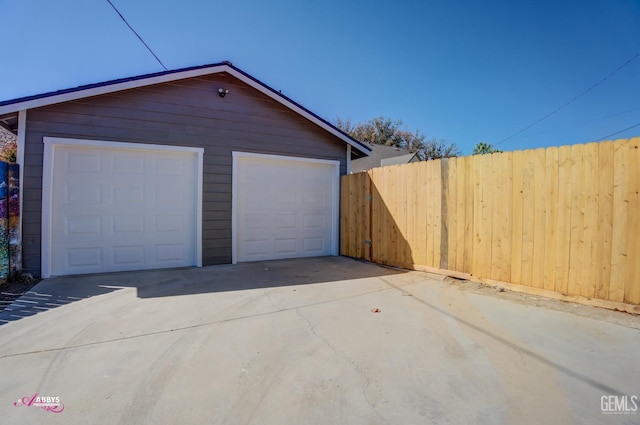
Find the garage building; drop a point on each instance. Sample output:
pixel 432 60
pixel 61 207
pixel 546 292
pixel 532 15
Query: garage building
pixel 197 166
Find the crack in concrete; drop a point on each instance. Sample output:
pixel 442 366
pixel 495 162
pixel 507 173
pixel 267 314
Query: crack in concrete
pixel 266 294
pixel 357 367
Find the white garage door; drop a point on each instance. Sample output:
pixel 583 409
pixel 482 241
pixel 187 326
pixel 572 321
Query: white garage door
pixel 284 207
pixel 122 209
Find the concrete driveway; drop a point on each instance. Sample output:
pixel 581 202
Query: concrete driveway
pixel 296 342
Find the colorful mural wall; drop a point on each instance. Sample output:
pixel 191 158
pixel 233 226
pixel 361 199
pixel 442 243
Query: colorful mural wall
pixel 10 259
pixel 15 252
pixel 4 221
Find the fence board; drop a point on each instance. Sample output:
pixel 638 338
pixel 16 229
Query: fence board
pixel 378 243
pixel 345 217
pixel 486 229
pixel 590 255
pixel 528 190
pixel 353 228
pixel 469 217
pixel 450 216
pixel 477 167
pixel 411 183
pixel 619 259
pixel 430 204
pixel 605 218
pixel 497 192
pixel 539 231
pixel 516 225
pixel 391 192
pixel 404 250
pixel 437 208
pixel 366 198
pixel 563 240
pixel 460 214
pixel 577 219
pixel 420 256
pixel 632 286
pixel 551 224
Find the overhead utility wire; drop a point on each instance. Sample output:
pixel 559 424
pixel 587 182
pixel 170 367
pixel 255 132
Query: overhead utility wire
pixel 570 101
pixel 137 35
pixel 620 131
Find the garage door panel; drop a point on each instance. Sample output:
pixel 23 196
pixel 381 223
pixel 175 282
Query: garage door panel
pixel 82 162
pixel 129 255
pixel 170 223
pixel 256 248
pixel 170 252
pixel 88 256
pixel 121 209
pixel 285 245
pixel 131 195
pixel 284 208
pixel 127 164
pixel 169 167
pixel 127 225
pixel 83 194
pixel 311 245
pixel 88 226
pixel 286 221
pixel 314 199
pixel 314 221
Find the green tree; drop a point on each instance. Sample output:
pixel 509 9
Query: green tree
pixel 483 148
pixel 9 152
pixel 439 148
pixel 388 132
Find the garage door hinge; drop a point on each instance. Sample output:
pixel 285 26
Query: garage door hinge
pixel 367 198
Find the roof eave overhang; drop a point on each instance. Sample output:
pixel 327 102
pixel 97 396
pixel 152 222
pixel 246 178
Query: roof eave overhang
pixel 150 79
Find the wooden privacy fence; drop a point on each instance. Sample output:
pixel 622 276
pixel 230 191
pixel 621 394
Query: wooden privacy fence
pixel 563 219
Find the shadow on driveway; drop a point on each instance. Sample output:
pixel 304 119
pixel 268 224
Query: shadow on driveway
pixel 59 291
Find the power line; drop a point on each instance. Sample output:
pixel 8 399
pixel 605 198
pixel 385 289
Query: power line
pixel 620 131
pixel 570 101
pixel 570 125
pixel 137 35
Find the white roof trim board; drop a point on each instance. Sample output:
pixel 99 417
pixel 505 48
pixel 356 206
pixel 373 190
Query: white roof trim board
pixel 46 99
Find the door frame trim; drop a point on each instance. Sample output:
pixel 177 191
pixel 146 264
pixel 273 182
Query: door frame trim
pixel 335 197
pixel 50 145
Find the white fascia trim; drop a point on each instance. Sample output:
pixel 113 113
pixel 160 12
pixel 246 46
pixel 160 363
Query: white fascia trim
pixel 335 197
pixel 119 145
pixel 65 97
pixel 286 158
pixel 22 137
pixel 47 210
pixel 50 144
pixel 234 209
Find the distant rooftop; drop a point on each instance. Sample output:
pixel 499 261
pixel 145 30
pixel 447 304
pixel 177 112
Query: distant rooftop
pixel 382 156
pixel 6 136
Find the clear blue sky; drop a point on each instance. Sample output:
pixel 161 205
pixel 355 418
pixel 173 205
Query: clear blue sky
pixel 466 71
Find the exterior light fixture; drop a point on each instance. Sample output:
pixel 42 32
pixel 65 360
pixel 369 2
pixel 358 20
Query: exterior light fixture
pixel 222 92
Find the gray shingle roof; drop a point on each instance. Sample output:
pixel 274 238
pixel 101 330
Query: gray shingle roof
pixel 382 156
pixel 6 136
